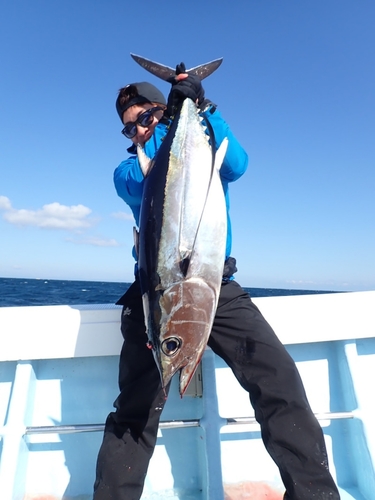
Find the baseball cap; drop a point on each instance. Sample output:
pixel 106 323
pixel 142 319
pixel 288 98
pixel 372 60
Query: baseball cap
pixel 139 93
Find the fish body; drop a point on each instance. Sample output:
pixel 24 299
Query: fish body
pixel 182 241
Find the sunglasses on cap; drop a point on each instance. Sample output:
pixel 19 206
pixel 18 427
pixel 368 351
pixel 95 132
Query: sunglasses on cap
pixel 144 120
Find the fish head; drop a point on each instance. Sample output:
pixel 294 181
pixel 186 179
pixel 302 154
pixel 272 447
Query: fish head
pixel 187 310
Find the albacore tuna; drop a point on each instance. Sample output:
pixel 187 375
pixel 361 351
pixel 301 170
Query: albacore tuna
pixel 181 245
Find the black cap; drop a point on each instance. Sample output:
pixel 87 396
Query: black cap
pixel 140 93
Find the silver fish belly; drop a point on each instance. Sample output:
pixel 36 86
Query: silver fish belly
pixel 182 242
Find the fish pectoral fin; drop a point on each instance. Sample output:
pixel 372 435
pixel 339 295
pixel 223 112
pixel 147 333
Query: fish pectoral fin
pixel 220 154
pixel 144 161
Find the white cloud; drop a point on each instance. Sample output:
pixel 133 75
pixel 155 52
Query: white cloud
pixel 95 241
pixel 123 216
pixel 5 203
pixel 51 216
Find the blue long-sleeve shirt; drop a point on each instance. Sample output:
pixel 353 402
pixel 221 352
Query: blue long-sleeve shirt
pixel 129 179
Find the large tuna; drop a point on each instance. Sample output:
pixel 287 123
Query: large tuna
pixel 181 244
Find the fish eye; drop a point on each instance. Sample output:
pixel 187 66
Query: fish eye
pixel 171 346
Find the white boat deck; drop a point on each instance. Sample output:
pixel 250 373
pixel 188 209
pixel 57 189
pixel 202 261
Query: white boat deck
pixel 58 380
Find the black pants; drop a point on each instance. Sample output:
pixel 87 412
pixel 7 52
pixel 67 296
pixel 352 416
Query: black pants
pixel 242 337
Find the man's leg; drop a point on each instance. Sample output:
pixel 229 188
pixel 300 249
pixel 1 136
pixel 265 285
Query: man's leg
pixel 290 431
pixel 131 431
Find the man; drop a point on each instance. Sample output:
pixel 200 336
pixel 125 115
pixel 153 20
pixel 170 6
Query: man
pixel 240 334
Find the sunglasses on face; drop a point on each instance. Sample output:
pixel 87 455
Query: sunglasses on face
pixel 144 120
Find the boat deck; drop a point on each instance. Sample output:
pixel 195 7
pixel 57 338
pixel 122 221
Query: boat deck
pixel 58 381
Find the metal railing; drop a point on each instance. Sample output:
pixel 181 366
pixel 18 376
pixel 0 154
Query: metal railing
pixel 169 424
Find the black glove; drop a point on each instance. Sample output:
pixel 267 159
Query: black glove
pixel 229 268
pixel 180 68
pixel 190 87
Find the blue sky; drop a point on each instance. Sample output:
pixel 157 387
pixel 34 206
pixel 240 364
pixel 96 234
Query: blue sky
pixel 296 86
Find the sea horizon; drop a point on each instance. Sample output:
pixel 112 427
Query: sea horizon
pixel 43 291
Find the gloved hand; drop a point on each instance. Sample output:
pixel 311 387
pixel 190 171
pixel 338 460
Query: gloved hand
pixel 184 86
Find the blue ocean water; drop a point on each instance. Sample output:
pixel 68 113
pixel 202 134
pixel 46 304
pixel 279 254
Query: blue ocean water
pixel 38 292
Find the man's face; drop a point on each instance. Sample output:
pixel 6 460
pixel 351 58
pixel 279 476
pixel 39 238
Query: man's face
pixel 143 133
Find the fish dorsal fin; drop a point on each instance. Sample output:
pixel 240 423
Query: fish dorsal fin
pixel 144 161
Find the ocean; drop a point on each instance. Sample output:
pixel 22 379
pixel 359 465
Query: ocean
pixel 42 292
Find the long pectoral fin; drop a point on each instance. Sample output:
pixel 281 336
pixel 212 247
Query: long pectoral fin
pixel 186 253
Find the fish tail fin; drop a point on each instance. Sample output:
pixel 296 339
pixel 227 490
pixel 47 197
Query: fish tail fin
pixel 166 72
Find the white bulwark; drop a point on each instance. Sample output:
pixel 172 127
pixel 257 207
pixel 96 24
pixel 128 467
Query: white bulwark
pixel 58 381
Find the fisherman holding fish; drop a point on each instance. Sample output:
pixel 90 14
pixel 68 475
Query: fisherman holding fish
pixel 231 324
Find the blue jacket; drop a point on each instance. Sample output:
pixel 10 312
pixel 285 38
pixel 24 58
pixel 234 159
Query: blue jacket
pixel 128 177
